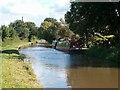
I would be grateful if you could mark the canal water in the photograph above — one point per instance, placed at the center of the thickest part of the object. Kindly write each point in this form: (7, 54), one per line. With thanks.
(56, 69)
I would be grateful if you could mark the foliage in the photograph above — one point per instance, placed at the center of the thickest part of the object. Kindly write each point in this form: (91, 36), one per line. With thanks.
(19, 29)
(98, 25)
(51, 29)
(99, 39)
(88, 18)
(107, 55)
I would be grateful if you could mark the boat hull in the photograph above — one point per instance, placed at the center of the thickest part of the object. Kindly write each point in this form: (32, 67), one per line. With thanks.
(66, 47)
(71, 51)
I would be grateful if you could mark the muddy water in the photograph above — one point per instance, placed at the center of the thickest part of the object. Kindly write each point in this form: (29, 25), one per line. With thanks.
(93, 77)
(55, 69)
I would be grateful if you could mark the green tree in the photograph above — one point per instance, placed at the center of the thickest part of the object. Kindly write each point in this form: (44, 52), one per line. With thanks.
(51, 29)
(46, 31)
(33, 30)
(5, 32)
(12, 32)
(18, 26)
(64, 29)
(88, 18)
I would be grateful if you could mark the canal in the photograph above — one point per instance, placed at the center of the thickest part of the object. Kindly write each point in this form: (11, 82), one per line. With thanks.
(56, 69)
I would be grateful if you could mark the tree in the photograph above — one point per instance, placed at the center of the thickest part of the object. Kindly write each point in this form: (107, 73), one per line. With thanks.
(88, 18)
(33, 30)
(46, 31)
(5, 32)
(19, 29)
(12, 32)
(51, 29)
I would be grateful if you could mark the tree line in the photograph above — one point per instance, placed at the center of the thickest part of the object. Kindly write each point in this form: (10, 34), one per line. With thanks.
(19, 29)
(96, 23)
(49, 29)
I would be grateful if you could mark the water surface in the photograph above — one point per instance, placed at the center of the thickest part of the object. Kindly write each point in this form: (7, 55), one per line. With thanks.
(55, 69)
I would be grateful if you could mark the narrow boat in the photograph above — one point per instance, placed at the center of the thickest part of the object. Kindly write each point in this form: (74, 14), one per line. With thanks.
(67, 46)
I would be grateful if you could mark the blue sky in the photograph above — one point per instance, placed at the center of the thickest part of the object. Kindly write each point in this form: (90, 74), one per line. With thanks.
(32, 10)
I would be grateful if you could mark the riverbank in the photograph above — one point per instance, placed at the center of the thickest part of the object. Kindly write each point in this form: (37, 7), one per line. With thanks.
(109, 55)
(15, 72)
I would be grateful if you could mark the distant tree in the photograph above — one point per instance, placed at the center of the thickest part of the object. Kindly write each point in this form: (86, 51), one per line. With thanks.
(18, 26)
(64, 29)
(5, 32)
(33, 30)
(46, 31)
(12, 32)
(51, 29)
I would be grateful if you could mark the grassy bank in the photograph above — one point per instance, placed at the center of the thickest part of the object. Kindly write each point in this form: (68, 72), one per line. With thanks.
(15, 72)
(17, 43)
(107, 55)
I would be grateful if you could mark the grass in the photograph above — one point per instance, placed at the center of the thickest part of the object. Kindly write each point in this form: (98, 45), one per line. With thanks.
(15, 72)
(17, 43)
(0, 65)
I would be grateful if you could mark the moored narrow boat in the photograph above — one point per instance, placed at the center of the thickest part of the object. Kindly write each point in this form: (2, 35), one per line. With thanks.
(67, 46)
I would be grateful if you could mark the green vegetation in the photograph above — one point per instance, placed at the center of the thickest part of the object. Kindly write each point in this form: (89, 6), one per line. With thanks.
(17, 43)
(15, 72)
(19, 34)
(98, 27)
(88, 19)
(50, 29)
(19, 29)
(0, 72)
(106, 54)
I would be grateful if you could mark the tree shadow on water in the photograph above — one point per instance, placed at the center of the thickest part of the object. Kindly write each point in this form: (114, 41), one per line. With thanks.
(83, 61)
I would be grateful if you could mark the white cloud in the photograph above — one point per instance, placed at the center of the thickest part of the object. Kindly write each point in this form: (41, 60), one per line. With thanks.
(32, 10)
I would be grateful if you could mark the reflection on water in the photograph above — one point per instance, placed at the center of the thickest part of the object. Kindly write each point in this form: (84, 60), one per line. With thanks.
(93, 77)
(55, 69)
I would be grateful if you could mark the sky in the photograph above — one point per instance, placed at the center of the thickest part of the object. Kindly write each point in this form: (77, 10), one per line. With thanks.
(32, 10)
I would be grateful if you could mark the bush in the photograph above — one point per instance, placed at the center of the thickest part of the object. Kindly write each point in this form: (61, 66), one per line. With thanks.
(109, 55)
